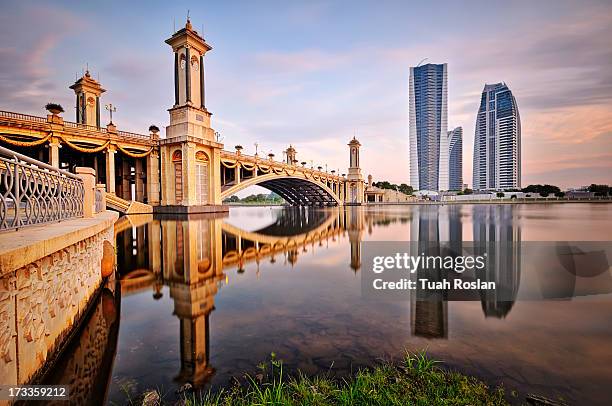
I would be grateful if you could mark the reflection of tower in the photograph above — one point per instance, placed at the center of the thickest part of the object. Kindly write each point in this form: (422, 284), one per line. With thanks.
(292, 256)
(355, 223)
(428, 310)
(192, 269)
(497, 233)
(354, 178)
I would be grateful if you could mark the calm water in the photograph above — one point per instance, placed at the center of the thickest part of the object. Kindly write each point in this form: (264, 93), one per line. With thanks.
(207, 299)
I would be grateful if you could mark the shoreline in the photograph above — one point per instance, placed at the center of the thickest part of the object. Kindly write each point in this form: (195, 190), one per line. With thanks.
(513, 201)
(414, 380)
(454, 202)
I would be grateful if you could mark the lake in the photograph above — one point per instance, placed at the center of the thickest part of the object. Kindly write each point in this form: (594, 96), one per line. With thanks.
(207, 299)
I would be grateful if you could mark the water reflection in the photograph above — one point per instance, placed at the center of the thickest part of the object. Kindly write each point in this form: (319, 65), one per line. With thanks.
(498, 228)
(87, 363)
(292, 286)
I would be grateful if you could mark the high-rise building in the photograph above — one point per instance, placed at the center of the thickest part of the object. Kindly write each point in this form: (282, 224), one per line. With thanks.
(455, 159)
(428, 127)
(497, 140)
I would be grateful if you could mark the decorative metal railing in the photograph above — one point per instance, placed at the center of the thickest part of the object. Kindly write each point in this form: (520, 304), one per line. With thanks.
(32, 192)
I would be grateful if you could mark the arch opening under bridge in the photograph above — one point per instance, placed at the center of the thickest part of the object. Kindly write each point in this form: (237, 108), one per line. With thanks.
(296, 191)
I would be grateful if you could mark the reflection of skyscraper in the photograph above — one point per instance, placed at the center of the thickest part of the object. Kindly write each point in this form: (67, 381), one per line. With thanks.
(428, 310)
(455, 159)
(497, 233)
(497, 140)
(428, 138)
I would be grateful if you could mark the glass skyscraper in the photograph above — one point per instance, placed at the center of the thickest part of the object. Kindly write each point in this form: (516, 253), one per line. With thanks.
(455, 159)
(497, 140)
(428, 127)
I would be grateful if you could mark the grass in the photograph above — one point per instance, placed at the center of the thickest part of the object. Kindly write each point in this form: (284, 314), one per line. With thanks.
(416, 381)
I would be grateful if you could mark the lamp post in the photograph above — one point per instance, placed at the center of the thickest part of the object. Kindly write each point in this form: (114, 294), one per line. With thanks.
(111, 109)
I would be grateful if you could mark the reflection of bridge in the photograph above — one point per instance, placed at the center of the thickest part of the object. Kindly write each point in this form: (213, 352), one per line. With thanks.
(190, 256)
(188, 171)
(240, 247)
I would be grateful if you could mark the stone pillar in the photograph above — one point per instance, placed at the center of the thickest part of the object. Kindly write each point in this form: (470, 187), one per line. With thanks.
(237, 174)
(153, 179)
(101, 187)
(54, 144)
(126, 191)
(88, 175)
(140, 192)
(110, 169)
(187, 75)
(189, 174)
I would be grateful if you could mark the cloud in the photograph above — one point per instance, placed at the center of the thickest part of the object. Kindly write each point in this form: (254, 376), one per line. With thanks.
(26, 79)
(330, 74)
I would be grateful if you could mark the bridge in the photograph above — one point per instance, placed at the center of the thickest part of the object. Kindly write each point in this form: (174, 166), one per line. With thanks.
(188, 170)
(297, 185)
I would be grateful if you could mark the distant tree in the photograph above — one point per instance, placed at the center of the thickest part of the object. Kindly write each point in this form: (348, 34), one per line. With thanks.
(600, 190)
(406, 189)
(232, 199)
(542, 190)
(500, 194)
(560, 194)
(467, 191)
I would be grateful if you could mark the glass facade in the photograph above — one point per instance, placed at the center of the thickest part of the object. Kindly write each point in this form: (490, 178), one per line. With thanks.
(428, 135)
(455, 159)
(497, 140)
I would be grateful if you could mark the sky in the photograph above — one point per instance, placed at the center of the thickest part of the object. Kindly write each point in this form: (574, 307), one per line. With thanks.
(315, 73)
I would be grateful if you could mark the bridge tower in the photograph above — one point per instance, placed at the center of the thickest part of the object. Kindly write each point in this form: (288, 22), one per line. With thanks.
(290, 153)
(88, 92)
(190, 154)
(354, 184)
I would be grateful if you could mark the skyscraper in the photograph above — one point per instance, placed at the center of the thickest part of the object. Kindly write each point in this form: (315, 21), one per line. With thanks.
(428, 127)
(455, 159)
(497, 140)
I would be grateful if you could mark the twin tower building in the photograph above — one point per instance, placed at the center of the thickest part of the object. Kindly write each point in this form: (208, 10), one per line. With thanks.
(435, 154)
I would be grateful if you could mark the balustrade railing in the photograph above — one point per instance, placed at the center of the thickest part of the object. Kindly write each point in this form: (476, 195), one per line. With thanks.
(32, 192)
(25, 117)
(70, 124)
(99, 201)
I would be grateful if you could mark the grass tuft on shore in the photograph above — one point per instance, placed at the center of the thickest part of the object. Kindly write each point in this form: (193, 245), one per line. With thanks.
(416, 381)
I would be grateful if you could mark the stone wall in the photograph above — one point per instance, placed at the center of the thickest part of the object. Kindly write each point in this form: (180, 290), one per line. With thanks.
(42, 301)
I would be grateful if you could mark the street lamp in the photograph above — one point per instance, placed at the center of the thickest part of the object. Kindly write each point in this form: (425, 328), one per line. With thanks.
(111, 109)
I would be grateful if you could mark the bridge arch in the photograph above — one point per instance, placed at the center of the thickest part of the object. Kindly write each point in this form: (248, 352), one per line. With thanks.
(296, 190)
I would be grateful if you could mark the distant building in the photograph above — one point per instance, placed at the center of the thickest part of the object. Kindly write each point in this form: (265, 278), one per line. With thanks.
(374, 194)
(428, 127)
(455, 159)
(497, 140)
